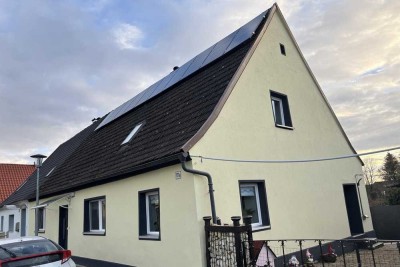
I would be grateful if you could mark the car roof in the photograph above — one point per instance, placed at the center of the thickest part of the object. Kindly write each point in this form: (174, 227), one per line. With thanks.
(20, 239)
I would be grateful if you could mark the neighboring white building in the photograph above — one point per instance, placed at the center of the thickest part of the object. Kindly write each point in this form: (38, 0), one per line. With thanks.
(12, 176)
(128, 193)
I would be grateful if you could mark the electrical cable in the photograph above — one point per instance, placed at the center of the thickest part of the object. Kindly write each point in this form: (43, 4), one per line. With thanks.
(297, 160)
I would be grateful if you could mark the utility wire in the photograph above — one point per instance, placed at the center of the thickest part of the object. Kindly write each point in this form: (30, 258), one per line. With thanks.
(296, 160)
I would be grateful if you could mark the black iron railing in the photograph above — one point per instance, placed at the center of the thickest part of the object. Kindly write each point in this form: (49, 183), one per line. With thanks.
(233, 246)
(329, 252)
(229, 245)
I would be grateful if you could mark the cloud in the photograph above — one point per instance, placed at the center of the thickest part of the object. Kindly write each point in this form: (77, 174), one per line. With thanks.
(351, 48)
(128, 36)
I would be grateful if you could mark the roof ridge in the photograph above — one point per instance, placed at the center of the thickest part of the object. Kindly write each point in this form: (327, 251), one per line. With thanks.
(17, 164)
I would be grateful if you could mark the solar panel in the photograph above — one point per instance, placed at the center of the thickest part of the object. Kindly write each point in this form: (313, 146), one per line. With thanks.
(162, 86)
(179, 73)
(246, 31)
(134, 101)
(198, 61)
(147, 93)
(204, 58)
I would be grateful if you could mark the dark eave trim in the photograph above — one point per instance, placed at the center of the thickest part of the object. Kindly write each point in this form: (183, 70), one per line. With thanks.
(123, 174)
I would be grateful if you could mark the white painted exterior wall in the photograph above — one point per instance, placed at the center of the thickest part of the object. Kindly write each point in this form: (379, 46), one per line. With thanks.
(304, 200)
(8, 210)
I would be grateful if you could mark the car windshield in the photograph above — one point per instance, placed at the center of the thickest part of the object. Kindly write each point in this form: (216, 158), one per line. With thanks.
(5, 253)
(26, 248)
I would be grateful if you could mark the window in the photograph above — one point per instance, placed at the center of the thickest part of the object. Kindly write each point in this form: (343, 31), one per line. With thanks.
(50, 171)
(42, 219)
(133, 132)
(253, 201)
(11, 223)
(280, 110)
(2, 224)
(149, 214)
(283, 51)
(95, 216)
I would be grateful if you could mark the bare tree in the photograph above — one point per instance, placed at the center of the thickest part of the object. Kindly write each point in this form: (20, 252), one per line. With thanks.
(370, 171)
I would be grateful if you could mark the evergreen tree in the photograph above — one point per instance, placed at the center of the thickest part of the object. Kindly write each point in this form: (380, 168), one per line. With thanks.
(391, 168)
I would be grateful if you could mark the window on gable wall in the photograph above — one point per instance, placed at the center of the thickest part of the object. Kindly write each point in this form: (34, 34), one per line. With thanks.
(95, 216)
(2, 224)
(253, 202)
(280, 110)
(149, 214)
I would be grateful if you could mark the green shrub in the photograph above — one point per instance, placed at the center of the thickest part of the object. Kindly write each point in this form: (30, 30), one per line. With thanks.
(393, 197)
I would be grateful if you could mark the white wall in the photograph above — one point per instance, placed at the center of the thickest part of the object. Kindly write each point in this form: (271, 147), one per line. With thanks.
(8, 210)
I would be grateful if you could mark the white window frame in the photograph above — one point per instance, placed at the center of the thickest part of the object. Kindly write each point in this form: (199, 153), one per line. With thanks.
(280, 101)
(44, 219)
(132, 133)
(255, 186)
(101, 226)
(152, 193)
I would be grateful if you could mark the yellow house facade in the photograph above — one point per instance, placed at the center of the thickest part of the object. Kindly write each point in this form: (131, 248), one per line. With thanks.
(150, 212)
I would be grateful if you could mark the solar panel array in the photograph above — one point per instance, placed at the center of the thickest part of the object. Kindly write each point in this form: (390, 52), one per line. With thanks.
(214, 52)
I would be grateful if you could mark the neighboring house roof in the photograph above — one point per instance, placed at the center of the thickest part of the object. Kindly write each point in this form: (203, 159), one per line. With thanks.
(49, 167)
(12, 176)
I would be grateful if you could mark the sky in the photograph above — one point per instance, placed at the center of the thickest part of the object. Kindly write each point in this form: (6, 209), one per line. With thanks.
(63, 63)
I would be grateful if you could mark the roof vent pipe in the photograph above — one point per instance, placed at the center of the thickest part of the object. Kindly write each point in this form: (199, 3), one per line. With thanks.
(183, 159)
(175, 68)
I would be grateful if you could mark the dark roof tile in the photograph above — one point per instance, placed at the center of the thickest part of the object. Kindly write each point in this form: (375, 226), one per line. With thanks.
(171, 119)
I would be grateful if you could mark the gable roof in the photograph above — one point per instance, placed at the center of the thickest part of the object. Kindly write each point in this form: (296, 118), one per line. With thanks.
(12, 176)
(170, 119)
(49, 166)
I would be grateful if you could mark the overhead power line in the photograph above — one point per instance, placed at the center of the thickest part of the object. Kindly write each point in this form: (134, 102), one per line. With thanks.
(296, 160)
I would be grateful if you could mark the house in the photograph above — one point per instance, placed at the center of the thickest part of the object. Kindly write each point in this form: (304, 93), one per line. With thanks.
(11, 177)
(135, 190)
(17, 203)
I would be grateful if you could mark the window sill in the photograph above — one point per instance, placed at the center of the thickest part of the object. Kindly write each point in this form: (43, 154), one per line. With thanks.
(42, 231)
(261, 228)
(150, 237)
(101, 233)
(284, 127)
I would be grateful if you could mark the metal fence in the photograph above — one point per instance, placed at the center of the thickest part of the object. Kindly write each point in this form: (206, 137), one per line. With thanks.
(233, 246)
(329, 252)
(229, 245)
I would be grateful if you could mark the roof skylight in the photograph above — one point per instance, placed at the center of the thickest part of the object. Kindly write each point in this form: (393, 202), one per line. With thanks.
(50, 171)
(133, 132)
